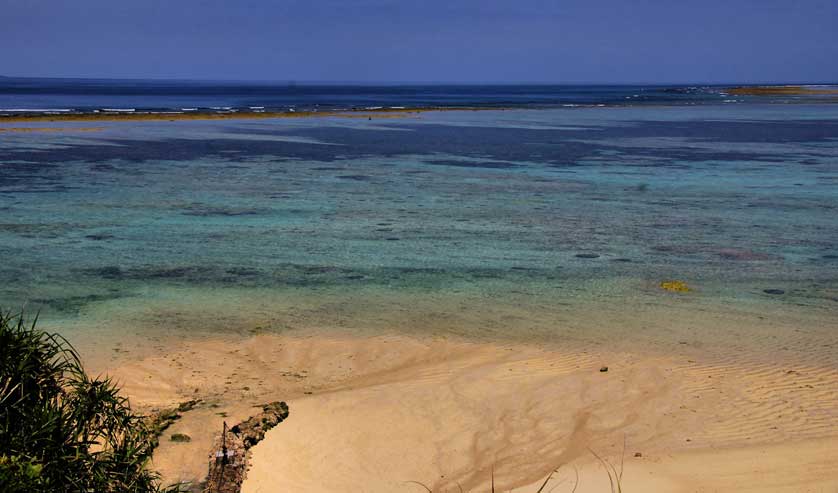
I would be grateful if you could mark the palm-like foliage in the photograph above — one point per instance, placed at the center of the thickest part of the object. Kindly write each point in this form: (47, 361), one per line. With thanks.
(60, 430)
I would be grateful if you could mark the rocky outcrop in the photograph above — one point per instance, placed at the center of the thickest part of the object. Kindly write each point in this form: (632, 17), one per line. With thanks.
(228, 460)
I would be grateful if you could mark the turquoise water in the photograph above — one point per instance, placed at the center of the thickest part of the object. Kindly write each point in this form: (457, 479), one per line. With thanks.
(438, 219)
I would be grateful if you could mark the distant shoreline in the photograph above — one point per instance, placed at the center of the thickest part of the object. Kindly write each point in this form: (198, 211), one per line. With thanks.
(782, 91)
(227, 113)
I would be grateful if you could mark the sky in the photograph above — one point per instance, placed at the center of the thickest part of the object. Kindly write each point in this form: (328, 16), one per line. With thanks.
(558, 41)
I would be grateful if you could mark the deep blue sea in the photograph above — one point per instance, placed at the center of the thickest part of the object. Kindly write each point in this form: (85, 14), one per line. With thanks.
(86, 95)
(541, 220)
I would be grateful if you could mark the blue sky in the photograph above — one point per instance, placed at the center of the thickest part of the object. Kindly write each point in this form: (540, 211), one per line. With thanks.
(431, 40)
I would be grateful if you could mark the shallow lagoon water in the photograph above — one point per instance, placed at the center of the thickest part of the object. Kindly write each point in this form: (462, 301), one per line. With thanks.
(487, 223)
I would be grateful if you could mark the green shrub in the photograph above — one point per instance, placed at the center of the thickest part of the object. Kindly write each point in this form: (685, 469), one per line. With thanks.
(60, 430)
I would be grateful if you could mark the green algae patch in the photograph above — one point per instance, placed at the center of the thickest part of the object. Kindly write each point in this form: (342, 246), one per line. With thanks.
(675, 286)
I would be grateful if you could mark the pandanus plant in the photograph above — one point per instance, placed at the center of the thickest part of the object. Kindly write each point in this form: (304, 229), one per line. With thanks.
(60, 429)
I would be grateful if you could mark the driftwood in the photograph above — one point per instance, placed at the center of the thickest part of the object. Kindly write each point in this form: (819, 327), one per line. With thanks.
(228, 460)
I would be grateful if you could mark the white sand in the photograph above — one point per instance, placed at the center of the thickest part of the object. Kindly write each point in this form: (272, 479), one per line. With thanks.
(372, 414)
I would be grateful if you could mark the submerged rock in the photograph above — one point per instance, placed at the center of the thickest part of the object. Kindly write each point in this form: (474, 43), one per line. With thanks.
(99, 237)
(677, 249)
(107, 272)
(355, 177)
(773, 291)
(202, 210)
(745, 255)
(675, 286)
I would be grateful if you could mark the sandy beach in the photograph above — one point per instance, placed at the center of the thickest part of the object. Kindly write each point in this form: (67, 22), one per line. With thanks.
(384, 413)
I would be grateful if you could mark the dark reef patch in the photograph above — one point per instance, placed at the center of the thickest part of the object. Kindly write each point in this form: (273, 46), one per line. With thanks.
(99, 237)
(39, 230)
(103, 167)
(677, 249)
(295, 275)
(243, 271)
(73, 304)
(735, 131)
(170, 272)
(39, 170)
(472, 164)
(355, 177)
(151, 273)
(746, 255)
(106, 272)
(201, 210)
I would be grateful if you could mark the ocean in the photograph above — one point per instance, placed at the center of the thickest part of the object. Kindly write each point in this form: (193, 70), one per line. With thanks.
(38, 95)
(559, 211)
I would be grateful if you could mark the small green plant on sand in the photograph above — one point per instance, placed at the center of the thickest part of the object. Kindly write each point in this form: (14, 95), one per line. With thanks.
(60, 429)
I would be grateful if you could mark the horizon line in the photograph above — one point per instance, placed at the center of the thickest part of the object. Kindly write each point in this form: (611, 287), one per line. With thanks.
(422, 82)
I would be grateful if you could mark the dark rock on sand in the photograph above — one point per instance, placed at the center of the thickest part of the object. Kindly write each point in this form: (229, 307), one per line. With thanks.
(229, 456)
(253, 430)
